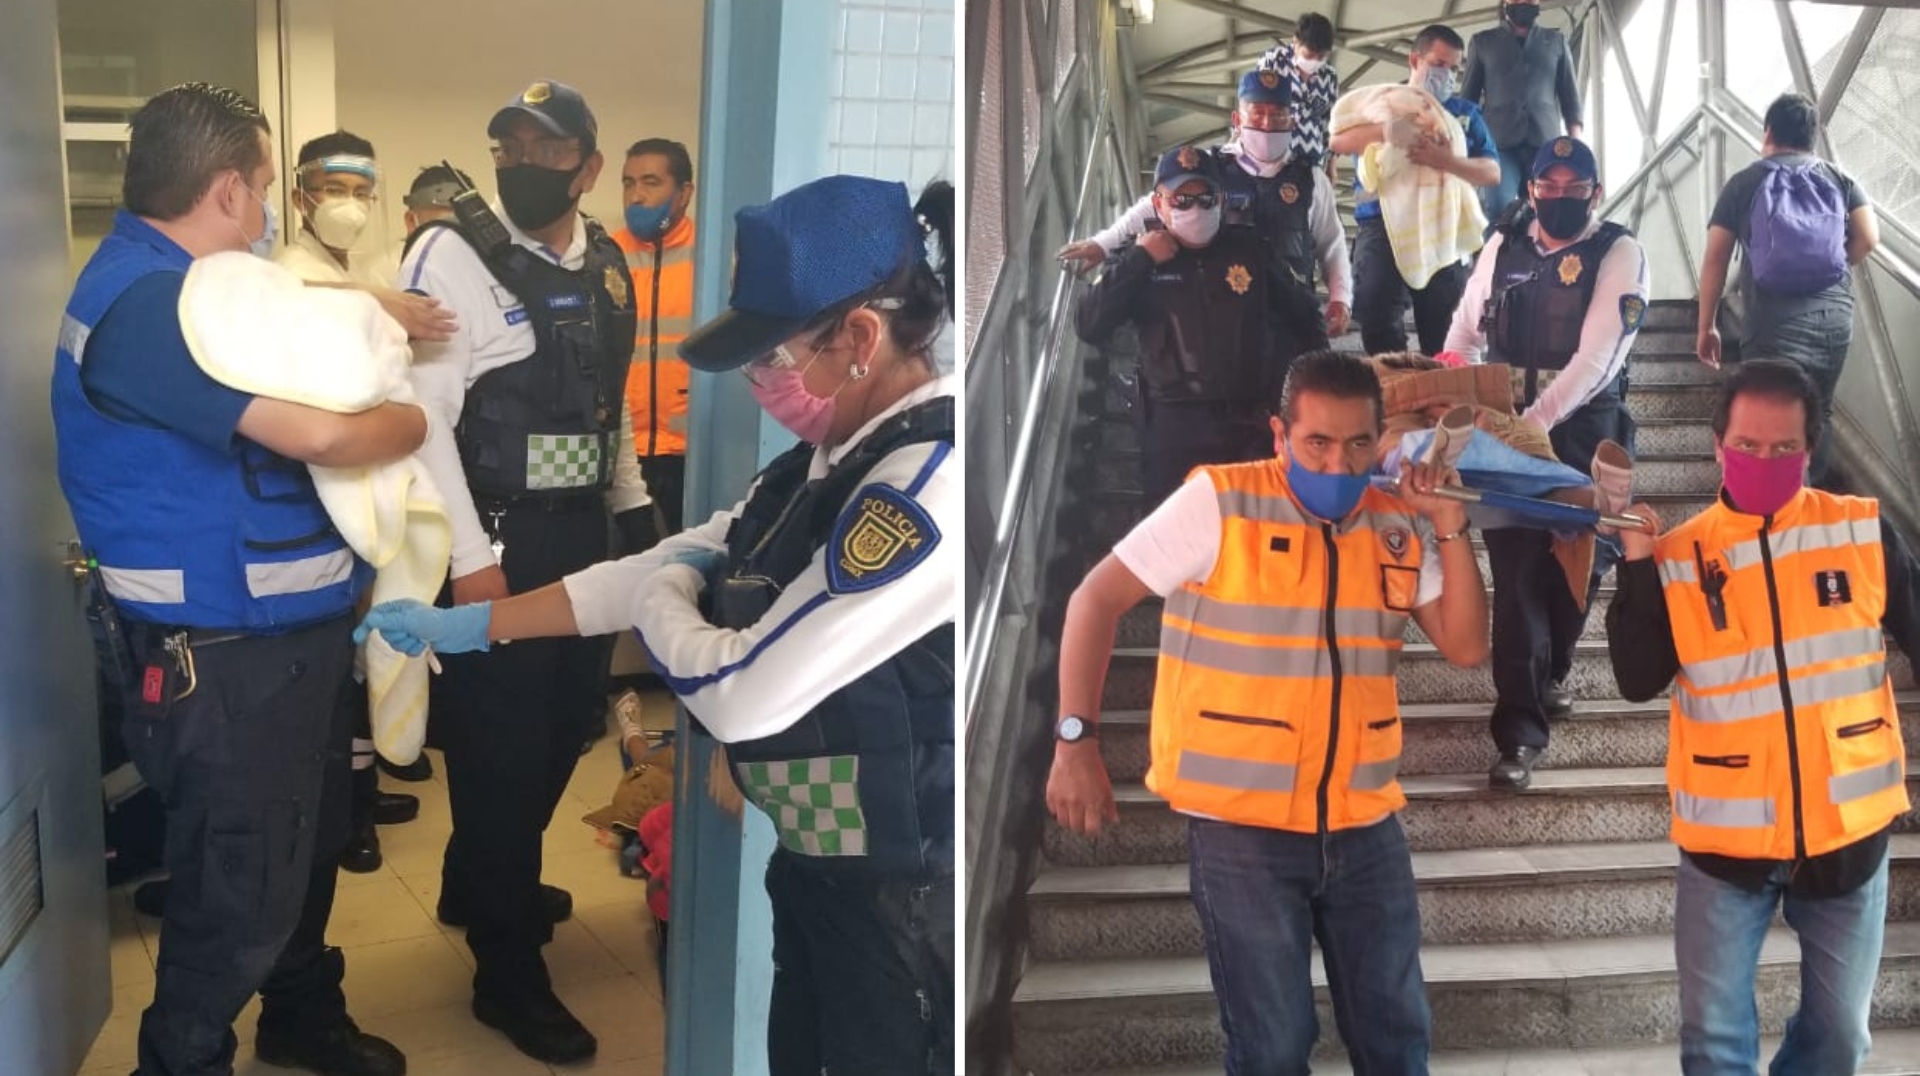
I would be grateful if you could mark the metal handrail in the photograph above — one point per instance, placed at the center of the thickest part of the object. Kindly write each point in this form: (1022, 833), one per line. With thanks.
(982, 620)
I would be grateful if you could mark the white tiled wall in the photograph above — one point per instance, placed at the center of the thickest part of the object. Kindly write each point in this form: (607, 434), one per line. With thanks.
(893, 90)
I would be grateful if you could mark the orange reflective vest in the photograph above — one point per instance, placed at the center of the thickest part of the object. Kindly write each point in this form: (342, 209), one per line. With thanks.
(660, 429)
(1784, 739)
(1275, 701)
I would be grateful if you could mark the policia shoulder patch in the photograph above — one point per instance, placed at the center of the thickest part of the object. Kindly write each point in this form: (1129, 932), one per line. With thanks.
(877, 539)
(1633, 313)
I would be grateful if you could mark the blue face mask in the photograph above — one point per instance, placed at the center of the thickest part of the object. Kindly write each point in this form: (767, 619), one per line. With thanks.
(1329, 496)
(263, 246)
(648, 222)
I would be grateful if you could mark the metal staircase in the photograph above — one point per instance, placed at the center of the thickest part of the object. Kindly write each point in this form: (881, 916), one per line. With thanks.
(1546, 915)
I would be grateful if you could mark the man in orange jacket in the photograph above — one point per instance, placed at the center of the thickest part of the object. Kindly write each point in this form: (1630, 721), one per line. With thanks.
(657, 186)
(1785, 761)
(1288, 584)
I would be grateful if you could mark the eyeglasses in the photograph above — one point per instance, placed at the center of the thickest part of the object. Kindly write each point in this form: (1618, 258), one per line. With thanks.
(1190, 201)
(336, 191)
(780, 358)
(1554, 190)
(554, 153)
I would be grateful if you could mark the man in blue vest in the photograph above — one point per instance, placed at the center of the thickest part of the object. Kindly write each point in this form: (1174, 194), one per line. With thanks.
(226, 597)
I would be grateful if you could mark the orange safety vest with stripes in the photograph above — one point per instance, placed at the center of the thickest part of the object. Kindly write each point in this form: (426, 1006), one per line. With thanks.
(1784, 741)
(660, 429)
(1275, 702)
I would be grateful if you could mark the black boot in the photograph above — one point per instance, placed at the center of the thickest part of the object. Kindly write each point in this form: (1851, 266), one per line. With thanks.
(393, 808)
(538, 1023)
(340, 1050)
(362, 853)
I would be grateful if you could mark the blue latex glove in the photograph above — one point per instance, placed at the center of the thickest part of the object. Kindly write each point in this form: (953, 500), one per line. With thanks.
(411, 626)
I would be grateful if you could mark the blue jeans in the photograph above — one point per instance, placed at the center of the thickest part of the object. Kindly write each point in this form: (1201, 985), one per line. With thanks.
(1264, 895)
(1717, 930)
(1515, 163)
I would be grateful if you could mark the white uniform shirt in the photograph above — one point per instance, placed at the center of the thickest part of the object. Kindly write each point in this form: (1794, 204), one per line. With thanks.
(1323, 219)
(752, 682)
(1179, 543)
(1605, 336)
(309, 259)
(494, 332)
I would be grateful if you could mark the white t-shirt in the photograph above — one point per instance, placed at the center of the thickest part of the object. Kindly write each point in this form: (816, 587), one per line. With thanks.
(1179, 543)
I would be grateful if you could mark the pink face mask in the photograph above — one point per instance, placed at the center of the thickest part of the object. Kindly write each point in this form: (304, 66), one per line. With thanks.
(1760, 486)
(782, 392)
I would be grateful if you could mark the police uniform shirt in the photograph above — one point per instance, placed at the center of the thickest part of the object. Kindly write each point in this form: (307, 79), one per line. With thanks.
(815, 639)
(1323, 218)
(494, 331)
(309, 259)
(1179, 542)
(1613, 320)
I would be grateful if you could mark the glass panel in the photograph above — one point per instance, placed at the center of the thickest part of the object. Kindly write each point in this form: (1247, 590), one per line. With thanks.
(1875, 135)
(986, 228)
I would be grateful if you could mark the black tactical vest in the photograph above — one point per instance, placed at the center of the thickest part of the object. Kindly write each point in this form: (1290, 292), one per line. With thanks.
(1275, 207)
(889, 733)
(1539, 302)
(549, 425)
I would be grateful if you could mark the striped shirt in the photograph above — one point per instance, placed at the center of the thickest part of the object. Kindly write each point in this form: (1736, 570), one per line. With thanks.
(1312, 101)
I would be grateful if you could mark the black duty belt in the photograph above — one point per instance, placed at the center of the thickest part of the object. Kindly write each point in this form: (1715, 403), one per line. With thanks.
(550, 505)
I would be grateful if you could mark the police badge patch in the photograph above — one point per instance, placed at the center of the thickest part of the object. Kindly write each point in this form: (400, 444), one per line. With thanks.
(1239, 279)
(616, 281)
(1563, 147)
(537, 93)
(1633, 311)
(1395, 539)
(1270, 79)
(1570, 270)
(878, 538)
(1289, 193)
(1189, 158)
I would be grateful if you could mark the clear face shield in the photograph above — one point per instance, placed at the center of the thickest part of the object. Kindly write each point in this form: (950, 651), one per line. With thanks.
(340, 201)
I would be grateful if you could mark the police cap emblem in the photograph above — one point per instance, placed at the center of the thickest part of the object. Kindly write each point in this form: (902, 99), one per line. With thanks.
(537, 93)
(1570, 270)
(1189, 158)
(877, 539)
(1270, 79)
(1563, 147)
(1289, 193)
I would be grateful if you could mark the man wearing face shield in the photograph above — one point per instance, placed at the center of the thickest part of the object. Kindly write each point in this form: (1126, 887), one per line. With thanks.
(341, 239)
(530, 455)
(1279, 196)
(1521, 75)
(1559, 296)
(1203, 298)
(810, 627)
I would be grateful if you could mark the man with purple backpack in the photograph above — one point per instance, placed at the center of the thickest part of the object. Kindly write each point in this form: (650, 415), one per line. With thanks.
(1801, 224)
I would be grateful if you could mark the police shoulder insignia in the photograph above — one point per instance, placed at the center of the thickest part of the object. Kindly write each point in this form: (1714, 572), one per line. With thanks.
(1395, 539)
(1239, 279)
(537, 93)
(878, 538)
(1189, 158)
(1289, 193)
(616, 281)
(1270, 79)
(1570, 269)
(1633, 311)
(1563, 147)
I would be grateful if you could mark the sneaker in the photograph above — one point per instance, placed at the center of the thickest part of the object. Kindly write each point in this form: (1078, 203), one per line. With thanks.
(1514, 771)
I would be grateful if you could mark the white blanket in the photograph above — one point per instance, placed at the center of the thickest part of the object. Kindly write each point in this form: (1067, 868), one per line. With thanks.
(1433, 218)
(254, 326)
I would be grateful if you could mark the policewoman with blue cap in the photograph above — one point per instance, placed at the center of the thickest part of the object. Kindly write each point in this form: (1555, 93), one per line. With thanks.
(810, 627)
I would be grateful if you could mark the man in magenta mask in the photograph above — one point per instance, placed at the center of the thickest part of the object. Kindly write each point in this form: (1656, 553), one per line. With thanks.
(1768, 613)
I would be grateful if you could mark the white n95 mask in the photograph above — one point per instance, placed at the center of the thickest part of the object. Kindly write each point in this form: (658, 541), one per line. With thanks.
(339, 221)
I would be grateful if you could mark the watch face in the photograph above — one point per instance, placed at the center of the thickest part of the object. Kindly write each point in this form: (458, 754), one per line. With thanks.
(1072, 728)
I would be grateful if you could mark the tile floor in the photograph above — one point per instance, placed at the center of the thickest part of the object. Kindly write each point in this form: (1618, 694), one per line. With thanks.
(409, 978)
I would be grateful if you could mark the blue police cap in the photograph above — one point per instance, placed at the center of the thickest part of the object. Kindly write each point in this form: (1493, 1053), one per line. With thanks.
(557, 107)
(798, 255)
(1265, 87)
(1570, 152)
(1181, 164)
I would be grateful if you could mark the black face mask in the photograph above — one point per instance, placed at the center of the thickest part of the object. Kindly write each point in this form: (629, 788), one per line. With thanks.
(1522, 15)
(1563, 218)
(535, 197)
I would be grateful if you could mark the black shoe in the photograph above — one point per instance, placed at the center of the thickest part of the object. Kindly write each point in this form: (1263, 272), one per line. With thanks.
(362, 853)
(1556, 702)
(539, 1025)
(1515, 768)
(341, 1050)
(393, 808)
(150, 898)
(420, 769)
(555, 901)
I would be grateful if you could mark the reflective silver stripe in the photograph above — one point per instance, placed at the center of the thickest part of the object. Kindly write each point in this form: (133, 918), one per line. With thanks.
(1678, 571)
(1244, 505)
(73, 336)
(1281, 620)
(299, 576)
(1812, 650)
(1804, 539)
(1845, 787)
(1761, 701)
(1235, 772)
(680, 326)
(643, 258)
(1724, 813)
(1278, 661)
(1376, 775)
(157, 586)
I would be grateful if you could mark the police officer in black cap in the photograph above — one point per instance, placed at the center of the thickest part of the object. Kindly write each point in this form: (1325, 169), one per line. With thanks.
(526, 446)
(1558, 295)
(1206, 300)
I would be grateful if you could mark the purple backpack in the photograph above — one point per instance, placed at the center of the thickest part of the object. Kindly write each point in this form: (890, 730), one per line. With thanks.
(1797, 229)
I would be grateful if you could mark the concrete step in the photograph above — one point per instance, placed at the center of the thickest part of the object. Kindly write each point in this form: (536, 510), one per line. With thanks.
(1484, 895)
(1104, 1016)
(1445, 812)
(1896, 1052)
(1451, 738)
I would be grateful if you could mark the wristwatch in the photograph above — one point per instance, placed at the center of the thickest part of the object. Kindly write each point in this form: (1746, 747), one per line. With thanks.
(1072, 728)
